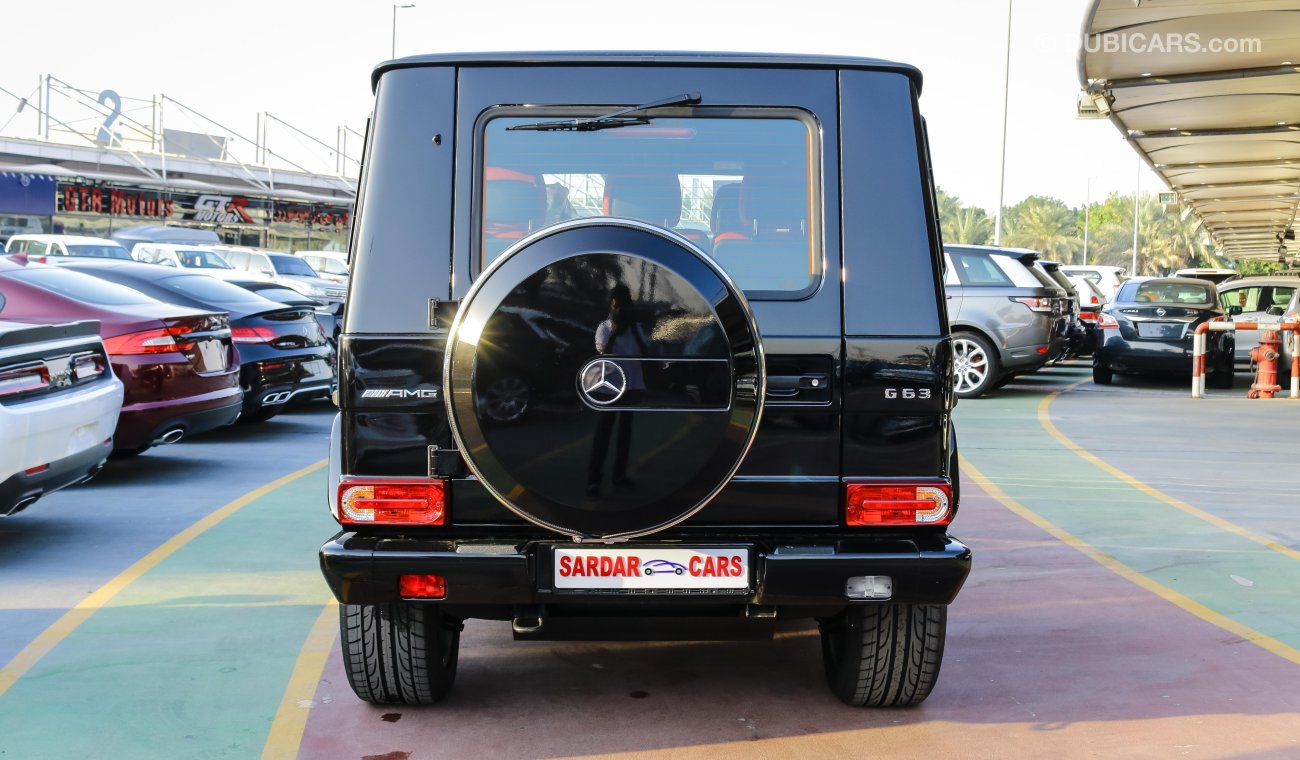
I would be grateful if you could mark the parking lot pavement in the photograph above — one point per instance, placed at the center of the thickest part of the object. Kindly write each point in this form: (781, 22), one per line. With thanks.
(1103, 617)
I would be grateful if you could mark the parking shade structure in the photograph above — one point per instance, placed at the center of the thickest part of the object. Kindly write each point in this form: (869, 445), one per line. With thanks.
(1209, 96)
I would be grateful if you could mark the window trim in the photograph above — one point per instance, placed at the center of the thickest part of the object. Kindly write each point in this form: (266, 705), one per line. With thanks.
(816, 197)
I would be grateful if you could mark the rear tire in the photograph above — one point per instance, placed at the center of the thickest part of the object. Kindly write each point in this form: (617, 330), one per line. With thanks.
(399, 654)
(885, 655)
(1102, 374)
(975, 364)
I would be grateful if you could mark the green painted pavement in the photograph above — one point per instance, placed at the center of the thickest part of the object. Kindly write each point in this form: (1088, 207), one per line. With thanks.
(192, 659)
(1001, 435)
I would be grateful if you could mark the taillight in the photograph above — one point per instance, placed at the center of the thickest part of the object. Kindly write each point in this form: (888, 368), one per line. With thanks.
(868, 504)
(24, 379)
(1087, 316)
(1035, 304)
(91, 365)
(422, 586)
(1095, 301)
(160, 340)
(392, 501)
(1106, 321)
(252, 334)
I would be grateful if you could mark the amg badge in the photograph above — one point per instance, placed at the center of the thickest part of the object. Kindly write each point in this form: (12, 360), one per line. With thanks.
(429, 393)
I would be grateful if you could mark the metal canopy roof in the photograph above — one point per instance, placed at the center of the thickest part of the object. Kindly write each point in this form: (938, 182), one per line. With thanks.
(1208, 93)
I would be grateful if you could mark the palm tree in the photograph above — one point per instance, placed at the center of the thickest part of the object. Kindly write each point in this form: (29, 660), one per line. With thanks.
(1045, 225)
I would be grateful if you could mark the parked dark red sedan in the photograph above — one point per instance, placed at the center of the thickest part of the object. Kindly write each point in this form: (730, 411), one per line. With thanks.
(178, 365)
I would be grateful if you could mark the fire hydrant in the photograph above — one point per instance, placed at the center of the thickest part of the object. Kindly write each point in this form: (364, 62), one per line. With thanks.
(1265, 357)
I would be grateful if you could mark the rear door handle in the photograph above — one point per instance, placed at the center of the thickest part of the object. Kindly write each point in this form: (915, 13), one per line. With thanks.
(789, 386)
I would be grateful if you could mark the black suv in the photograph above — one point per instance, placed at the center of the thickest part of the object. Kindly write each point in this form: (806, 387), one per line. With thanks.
(711, 285)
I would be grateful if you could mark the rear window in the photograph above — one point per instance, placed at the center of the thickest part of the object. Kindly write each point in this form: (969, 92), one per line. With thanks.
(206, 288)
(1167, 292)
(740, 185)
(82, 287)
(292, 266)
(99, 251)
(197, 259)
(979, 269)
(283, 295)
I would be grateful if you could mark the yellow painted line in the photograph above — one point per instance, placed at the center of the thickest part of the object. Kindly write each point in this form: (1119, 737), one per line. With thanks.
(1044, 418)
(73, 618)
(1245, 632)
(291, 718)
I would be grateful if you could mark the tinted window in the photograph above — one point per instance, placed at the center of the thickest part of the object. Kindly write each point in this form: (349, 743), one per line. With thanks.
(207, 288)
(82, 287)
(292, 266)
(199, 259)
(979, 269)
(1163, 291)
(738, 187)
(283, 295)
(99, 251)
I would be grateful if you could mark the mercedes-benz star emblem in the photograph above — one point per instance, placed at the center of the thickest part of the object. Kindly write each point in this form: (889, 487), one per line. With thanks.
(602, 382)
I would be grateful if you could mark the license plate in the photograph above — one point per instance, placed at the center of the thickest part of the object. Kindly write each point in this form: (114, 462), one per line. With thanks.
(315, 368)
(651, 568)
(212, 355)
(1160, 330)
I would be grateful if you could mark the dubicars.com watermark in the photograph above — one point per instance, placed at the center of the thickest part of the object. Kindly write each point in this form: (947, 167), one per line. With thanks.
(1170, 42)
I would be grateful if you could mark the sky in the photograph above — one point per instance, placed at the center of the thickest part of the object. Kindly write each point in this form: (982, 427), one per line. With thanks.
(308, 63)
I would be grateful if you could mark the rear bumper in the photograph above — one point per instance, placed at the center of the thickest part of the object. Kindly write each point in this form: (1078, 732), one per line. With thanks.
(365, 570)
(1144, 356)
(21, 488)
(143, 424)
(275, 382)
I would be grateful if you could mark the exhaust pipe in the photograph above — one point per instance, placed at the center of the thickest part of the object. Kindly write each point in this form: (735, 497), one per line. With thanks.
(171, 436)
(20, 506)
(527, 621)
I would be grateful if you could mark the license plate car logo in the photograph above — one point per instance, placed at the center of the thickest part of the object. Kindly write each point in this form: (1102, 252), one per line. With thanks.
(651, 568)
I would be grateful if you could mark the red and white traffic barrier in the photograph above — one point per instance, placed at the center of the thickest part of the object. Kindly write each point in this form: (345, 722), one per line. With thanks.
(1199, 341)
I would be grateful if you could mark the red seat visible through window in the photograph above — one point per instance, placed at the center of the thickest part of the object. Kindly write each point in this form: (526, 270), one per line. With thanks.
(514, 204)
(650, 196)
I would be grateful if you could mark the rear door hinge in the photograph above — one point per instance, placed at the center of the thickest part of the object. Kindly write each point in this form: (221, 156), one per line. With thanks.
(441, 313)
(445, 463)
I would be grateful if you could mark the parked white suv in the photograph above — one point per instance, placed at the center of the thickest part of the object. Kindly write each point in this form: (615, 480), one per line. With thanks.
(331, 265)
(55, 249)
(285, 269)
(182, 256)
(1108, 279)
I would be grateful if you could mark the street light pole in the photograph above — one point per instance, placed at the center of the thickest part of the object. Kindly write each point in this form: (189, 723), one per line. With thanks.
(392, 53)
(1087, 209)
(1137, 185)
(1006, 99)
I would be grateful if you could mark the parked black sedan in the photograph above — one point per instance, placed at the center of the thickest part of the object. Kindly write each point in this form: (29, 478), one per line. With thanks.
(284, 354)
(1149, 328)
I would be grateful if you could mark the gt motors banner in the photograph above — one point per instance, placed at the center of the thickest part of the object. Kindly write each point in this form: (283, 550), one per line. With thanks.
(211, 208)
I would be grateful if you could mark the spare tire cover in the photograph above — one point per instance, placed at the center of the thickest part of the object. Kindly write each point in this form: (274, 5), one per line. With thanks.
(604, 378)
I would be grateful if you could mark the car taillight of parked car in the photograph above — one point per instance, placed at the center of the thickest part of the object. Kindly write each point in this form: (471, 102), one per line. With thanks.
(24, 379)
(392, 501)
(1106, 321)
(160, 340)
(883, 504)
(1044, 305)
(252, 334)
(1088, 316)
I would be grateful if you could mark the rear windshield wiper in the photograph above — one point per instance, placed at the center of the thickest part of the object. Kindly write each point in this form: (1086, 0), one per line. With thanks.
(613, 120)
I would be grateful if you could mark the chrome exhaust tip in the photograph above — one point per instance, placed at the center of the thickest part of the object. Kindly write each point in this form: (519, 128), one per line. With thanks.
(171, 436)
